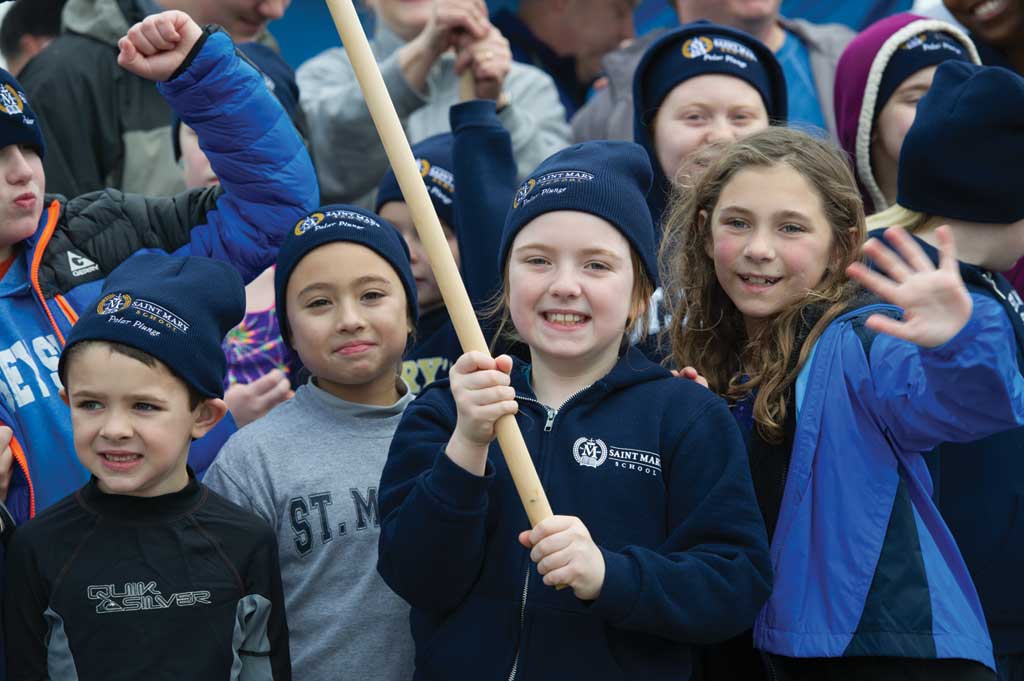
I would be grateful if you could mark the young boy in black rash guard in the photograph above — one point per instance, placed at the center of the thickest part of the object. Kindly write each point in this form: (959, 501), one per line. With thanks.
(144, 572)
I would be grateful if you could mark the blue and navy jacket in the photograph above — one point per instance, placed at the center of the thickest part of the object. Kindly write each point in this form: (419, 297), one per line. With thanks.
(864, 564)
(483, 192)
(657, 470)
(267, 184)
(979, 488)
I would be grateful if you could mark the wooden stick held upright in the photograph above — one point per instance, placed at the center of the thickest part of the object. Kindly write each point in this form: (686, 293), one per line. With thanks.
(399, 153)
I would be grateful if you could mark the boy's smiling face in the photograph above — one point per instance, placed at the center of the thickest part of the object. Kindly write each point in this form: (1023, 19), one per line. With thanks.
(132, 423)
(21, 194)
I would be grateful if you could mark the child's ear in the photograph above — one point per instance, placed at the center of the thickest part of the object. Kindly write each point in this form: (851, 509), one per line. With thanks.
(64, 396)
(709, 247)
(207, 415)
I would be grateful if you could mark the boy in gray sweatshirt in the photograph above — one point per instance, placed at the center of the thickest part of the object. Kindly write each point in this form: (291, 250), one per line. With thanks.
(346, 299)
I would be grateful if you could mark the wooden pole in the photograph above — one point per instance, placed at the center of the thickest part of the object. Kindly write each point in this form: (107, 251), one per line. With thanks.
(406, 170)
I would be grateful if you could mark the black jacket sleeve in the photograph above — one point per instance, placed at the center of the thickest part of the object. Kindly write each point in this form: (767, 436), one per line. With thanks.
(109, 226)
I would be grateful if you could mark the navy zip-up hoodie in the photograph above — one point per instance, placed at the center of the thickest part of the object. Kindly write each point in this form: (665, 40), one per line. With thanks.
(657, 470)
(478, 137)
(979, 489)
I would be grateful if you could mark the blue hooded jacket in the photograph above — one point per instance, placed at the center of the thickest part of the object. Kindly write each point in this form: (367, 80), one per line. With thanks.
(657, 470)
(864, 565)
(268, 183)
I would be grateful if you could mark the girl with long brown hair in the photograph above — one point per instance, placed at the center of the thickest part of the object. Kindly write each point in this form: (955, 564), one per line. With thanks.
(839, 395)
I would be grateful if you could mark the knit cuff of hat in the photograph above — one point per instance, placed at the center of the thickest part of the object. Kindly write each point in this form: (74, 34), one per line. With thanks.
(866, 119)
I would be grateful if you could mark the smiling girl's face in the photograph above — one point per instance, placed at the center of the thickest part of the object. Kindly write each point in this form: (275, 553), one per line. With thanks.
(570, 280)
(770, 241)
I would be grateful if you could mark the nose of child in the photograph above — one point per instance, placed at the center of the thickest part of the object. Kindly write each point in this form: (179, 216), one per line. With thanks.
(18, 169)
(565, 284)
(116, 427)
(759, 247)
(348, 319)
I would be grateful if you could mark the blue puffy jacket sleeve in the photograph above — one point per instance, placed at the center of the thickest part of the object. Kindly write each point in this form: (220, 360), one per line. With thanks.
(485, 180)
(966, 389)
(263, 167)
(433, 513)
(712, 574)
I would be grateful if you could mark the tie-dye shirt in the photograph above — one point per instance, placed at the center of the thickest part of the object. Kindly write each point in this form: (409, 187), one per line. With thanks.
(255, 346)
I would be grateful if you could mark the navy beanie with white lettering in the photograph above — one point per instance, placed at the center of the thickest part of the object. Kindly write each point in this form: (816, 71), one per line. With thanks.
(964, 155)
(927, 48)
(702, 48)
(342, 223)
(608, 179)
(176, 309)
(434, 156)
(18, 123)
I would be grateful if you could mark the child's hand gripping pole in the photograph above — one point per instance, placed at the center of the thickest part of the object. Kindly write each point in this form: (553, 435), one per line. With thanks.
(399, 153)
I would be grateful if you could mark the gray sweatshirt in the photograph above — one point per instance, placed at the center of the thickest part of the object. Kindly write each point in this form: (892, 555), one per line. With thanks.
(351, 159)
(311, 469)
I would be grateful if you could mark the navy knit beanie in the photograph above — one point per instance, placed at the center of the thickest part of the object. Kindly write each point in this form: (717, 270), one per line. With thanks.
(342, 223)
(606, 179)
(175, 309)
(18, 123)
(702, 48)
(434, 156)
(928, 48)
(964, 155)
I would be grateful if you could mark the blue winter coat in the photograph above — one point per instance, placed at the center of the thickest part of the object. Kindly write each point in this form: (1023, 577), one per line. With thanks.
(267, 184)
(657, 470)
(863, 563)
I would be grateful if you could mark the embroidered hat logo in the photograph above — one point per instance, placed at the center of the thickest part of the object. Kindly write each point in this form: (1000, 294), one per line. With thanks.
(524, 190)
(307, 223)
(697, 47)
(12, 100)
(113, 302)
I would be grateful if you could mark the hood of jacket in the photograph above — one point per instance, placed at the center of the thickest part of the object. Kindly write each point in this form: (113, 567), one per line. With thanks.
(858, 79)
(105, 20)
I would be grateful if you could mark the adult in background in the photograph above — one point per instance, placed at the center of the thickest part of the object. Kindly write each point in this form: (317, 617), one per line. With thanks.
(109, 128)
(412, 43)
(567, 39)
(28, 27)
(857, 15)
(807, 52)
(996, 27)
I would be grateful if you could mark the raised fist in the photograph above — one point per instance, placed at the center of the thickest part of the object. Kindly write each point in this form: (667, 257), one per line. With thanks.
(155, 47)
